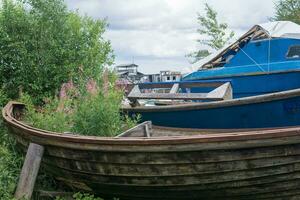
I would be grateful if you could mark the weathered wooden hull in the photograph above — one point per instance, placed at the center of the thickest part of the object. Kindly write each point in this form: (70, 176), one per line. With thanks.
(270, 110)
(261, 164)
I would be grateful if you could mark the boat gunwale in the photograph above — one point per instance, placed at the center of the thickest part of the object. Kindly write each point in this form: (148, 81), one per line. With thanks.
(30, 131)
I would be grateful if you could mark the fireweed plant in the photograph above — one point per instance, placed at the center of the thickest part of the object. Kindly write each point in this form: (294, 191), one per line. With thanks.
(89, 108)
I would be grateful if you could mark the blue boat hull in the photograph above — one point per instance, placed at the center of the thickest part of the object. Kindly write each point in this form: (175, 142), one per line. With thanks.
(257, 112)
(257, 84)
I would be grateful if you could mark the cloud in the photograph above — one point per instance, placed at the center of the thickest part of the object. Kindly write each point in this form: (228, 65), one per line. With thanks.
(159, 33)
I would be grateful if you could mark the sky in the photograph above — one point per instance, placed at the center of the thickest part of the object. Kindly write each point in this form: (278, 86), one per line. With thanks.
(158, 34)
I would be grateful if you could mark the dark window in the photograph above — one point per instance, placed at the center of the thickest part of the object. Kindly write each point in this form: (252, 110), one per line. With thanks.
(168, 77)
(294, 52)
(174, 77)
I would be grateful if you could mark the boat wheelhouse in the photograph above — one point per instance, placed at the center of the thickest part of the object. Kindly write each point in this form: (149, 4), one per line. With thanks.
(265, 59)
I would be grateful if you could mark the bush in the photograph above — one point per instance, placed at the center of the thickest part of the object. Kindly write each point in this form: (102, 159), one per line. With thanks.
(3, 98)
(47, 117)
(80, 112)
(43, 45)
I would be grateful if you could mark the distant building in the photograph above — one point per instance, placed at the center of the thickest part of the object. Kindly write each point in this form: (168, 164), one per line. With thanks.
(129, 72)
(152, 78)
(169, 76)
(163, 76)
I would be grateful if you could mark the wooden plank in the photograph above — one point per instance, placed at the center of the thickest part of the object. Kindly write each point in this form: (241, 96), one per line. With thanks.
(224, 92)
(177, 180)
(174, 88)
(148, 129)
(169, 168)
(29, 171)
(141, 130)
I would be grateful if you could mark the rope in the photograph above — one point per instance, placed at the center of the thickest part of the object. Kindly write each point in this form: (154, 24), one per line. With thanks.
(269, 54)
(252, 59)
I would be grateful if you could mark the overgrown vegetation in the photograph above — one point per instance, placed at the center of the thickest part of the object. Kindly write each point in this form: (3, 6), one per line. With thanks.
(87, 111)
(55, 58)
(10, 165)
(10, 159)
(82, 196)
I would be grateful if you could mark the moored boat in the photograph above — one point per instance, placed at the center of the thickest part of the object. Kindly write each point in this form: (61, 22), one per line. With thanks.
(167, 163)
(277, 109)
(265, 59)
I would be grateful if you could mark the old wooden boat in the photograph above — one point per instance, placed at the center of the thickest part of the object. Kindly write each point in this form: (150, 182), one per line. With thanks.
(216, 109)
(166, 163)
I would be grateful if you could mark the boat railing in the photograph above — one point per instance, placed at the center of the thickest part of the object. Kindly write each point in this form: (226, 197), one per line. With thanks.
(222, 91)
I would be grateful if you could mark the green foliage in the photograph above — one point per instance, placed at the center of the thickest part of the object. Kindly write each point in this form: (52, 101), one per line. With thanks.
(98, 114)
(3, 98)
(81, 196)
(84, 196)
(41, 40)
(43, 45)
(86, 114)
(47, 117)
(287, 10)
(217, 33)
(10, 163)
(10, 159)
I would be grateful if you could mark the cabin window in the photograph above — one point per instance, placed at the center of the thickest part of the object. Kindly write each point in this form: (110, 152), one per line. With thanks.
(294, 52)
(174, 77)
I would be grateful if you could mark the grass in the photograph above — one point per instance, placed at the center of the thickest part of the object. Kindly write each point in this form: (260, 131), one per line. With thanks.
(10, 159)
(10, 164)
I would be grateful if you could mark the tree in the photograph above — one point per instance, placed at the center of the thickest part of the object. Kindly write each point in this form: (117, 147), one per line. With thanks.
(43, 45)
(217, 34)
(287, 10)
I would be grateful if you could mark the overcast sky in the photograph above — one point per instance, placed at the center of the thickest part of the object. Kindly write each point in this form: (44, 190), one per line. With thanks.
(157, 34)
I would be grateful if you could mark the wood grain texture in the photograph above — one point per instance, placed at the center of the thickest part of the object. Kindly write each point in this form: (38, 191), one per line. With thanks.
(249, 164)
(29, 171)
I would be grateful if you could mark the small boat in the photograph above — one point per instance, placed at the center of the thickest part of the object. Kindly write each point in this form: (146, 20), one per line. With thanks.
(265, 59)
(148, 162)
(216, 109)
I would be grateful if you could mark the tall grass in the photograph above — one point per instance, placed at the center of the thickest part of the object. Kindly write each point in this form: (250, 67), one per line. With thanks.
(10, 165)
(10, 159)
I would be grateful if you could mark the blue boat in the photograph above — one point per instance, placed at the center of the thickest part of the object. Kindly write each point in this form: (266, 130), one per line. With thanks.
(252, 83)
(280, 109)
(266, 59)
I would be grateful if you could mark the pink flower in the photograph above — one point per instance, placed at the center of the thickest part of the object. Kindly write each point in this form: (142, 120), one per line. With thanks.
(91, 87)
(65, 88)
